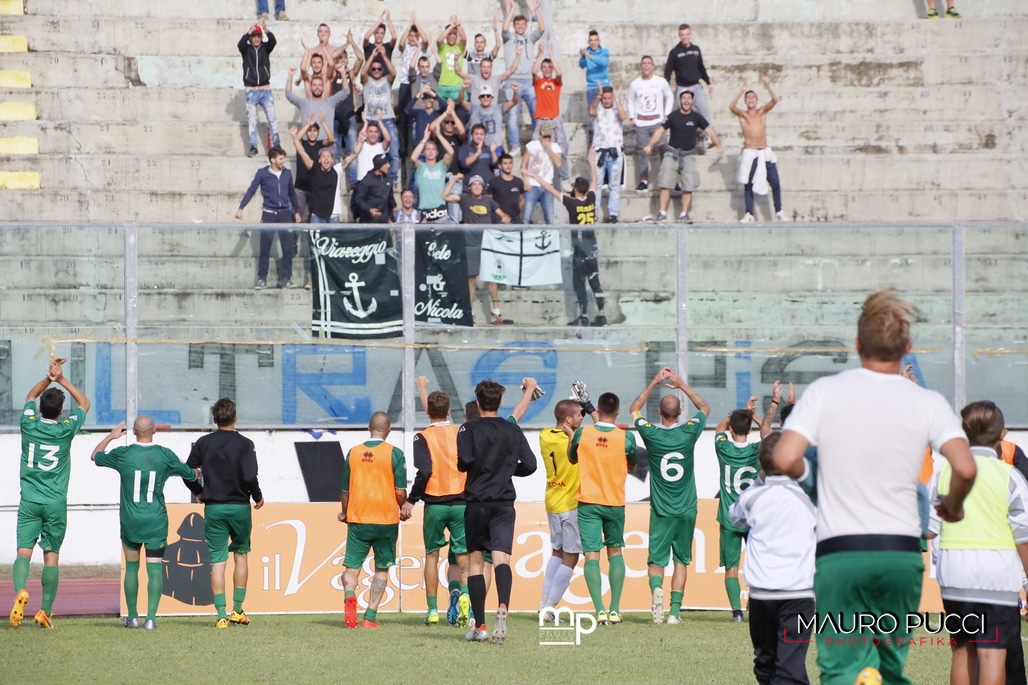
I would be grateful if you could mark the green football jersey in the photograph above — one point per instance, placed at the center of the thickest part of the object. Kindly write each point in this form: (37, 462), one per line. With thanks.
(670, 459)
(144, 468)
(46, 454)
(739, 466)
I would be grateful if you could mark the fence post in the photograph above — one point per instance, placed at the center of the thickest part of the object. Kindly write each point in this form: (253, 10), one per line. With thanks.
(959, 344)
(130, 297)
(682, 302)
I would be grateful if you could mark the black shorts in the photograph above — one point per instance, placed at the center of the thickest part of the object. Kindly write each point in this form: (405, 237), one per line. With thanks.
(489, 527)
(1001, 629)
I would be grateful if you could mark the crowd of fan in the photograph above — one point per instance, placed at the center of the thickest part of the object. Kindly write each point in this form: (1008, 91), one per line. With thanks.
(453, 131)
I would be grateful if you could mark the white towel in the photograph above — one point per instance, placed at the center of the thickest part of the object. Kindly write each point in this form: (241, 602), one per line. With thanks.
(764, 157)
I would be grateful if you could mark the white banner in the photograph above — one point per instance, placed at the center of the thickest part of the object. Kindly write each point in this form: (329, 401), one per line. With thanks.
(521, 258)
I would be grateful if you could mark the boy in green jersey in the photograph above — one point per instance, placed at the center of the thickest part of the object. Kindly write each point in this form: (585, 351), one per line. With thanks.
(144, 468)
(45, 470)
(669, 448)
(739, 465)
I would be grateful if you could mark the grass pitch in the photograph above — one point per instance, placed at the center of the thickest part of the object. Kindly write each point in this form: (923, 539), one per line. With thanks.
(707, 648)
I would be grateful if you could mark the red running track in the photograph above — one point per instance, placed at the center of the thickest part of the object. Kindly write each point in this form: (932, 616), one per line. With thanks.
(100, 597)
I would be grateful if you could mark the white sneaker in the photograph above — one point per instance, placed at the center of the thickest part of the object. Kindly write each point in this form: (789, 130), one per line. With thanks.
(476, 635)
(516, 152)
(500, 626)
(657, 605)
(661, 216)
(674, 621)
(781, 216)
(748, 219)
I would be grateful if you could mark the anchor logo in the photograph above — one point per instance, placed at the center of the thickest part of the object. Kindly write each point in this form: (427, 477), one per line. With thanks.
(542, 241)
(358, 309)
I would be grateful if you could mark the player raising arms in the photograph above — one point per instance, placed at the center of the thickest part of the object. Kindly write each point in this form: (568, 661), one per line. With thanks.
(562, 495)
(144, 468)
(739, 463)
(604, 453)
(670, 457)
(374, 492)
(45, 470)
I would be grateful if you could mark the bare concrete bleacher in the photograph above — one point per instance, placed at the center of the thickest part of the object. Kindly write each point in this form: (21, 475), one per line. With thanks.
(122, 110)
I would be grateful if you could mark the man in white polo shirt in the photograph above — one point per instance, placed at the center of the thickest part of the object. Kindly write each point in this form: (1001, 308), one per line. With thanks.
(871, 426)
(649, 102)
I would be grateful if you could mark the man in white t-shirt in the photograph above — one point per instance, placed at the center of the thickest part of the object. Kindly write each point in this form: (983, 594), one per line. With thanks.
(871, 426)
(541, 158)
(607, 153)
(373, 140)
(650, 101)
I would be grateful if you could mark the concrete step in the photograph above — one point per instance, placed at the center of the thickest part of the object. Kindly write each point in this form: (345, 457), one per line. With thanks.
(790, 72)
(626, 41)
(987, 101)
(799, 133)
(362, 12)
(709, 205)
(967, 173)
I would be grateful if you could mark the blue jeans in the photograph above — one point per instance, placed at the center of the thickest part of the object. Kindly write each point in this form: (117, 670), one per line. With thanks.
(537, 195)
(526, 93)
(394, 149)
(772, 180)
(315, 219)
(262, 8)
(265, 99)
(610, 173)
(287, 241)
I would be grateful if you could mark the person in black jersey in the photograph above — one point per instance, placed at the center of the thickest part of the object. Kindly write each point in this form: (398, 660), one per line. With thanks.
(492, 451)
(585, 265)
(228, 469)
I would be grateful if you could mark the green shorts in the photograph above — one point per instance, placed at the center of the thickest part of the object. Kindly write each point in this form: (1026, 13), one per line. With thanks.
(362, 537)
(451, 558)
(449, 93)
(225, 521)
(43, 523)
(151, 531)
(601, 526)
(438, 519)
(871, 582)
(671, 537)
(731, 547)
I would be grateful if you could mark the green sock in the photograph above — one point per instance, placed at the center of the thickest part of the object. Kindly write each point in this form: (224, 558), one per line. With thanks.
(21, 573)
(732, 586)
(617, 581)
(51, 576)
(676, 603)
(347, 594)
(219, 605)
(238, 597)
(464, 588)
(370, 614)
(453, 585)
(154, 587)
(593, 582)
(132, 588)
(433, 602)
(656, 582)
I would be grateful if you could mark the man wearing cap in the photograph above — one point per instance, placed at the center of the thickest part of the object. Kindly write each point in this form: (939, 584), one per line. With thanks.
(489, 114)
(373, 200)
(255, 48)
(477, 208)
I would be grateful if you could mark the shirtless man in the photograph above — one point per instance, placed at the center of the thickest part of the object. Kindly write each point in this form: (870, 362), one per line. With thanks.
(324, 49)
(757, 163)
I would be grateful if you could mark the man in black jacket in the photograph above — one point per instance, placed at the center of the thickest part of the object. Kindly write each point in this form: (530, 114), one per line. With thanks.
(256, 47)
(228, 469)
(492, 451)
(685, 61)
(373, 199)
